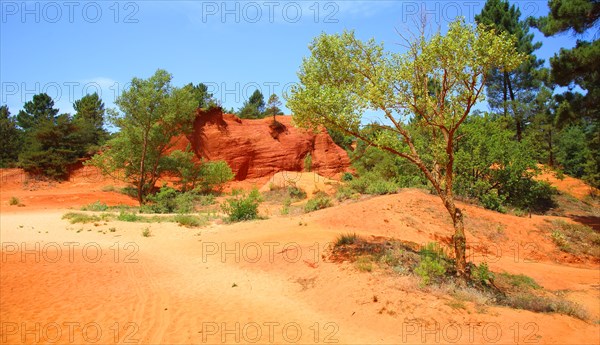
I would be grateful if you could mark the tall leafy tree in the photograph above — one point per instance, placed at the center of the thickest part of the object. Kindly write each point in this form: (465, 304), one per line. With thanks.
(89, 117)
(153, 113)
(39, 109)
(508, 90)
(254, 107)
(10, 138)
(579, 66)
(343, 77)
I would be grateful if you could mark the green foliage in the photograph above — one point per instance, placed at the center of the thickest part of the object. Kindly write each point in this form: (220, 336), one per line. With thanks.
(10, 138)
(203, 98)
(39, 110)
(430, 270)
(75, 217)
(214, 175)
(346, 239)
(89, 118)
(273, 107)
(242, 207)
(495, 169)
(572, 151)
(340, 138)
(371, 183)
(492, 201)
(508, 91)
(169, 200)
(319, 201)
(146, 232)
(481, 274)
(51, 147)
(254, 107)
(153, 112)
(308, 162)
(517, 281)
(128, 217)
(96, 206)
(574, 238)
(347, 177)
(187, 220)
(13, 201)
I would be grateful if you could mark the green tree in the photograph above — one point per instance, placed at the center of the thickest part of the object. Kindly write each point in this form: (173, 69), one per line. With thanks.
(273, 107)
(10, 138)
(51, 147)
(153, 114)
(204, 99)
(579, 66)
(509, 89)
(39, 109)
(254, 107)
(89, 117)
(344, 76)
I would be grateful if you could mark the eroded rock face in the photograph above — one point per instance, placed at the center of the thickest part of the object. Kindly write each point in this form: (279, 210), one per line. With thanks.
(257, 148)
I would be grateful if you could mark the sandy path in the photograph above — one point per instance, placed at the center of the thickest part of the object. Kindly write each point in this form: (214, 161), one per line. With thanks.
(263, 281)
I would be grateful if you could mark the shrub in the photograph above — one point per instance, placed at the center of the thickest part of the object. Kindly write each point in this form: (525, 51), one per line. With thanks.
(96, 206)
(187, 220)
(206, 200)
(168, 200)
(364, 264)
(430, 270)
(75, 217)
(318, 202)
(296, 193)
(381, 187)
(346, 239)
(308, 162)
(433, 264)
(347, 177)
(128, 217)
(492, 201)
(242, 207)
(344, 192)
(517, 281)
(214, 175)
(481, 274)
(14, 201)
(146, 232)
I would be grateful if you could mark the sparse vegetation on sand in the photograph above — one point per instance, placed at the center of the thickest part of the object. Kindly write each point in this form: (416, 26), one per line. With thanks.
(435, 270)
(574, 238)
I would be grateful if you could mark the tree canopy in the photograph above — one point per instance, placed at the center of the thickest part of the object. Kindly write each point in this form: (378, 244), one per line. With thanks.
(435, 85)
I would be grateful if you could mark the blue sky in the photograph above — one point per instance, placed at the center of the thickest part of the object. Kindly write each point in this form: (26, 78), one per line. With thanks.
(68, 49)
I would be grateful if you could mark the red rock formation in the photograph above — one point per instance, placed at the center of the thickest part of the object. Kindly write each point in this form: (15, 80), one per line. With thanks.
(256, 148)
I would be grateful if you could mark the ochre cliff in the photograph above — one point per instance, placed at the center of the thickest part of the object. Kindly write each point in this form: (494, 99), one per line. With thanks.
(256, 148)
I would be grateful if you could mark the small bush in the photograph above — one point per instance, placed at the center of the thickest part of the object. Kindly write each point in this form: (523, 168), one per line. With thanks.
(296, 193)
(381, 187)
(318, 202)
(575, 238)
(481, 274)
(308, 162)
(492, 201)
(187, 220)
(206, 200)
(364, 264)
(96, 206)
(242, 208)
(146, 232)
(285, 209)
(168, 200)
(128, 217)
(75, 217)
(517, 281)
(430, 270)
(14, 201)
(344, 192)
(346, 239)
(347, 177)
(542, 304)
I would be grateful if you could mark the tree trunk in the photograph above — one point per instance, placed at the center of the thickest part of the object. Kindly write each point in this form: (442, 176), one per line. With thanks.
(460, 243)
(517, 117)
(459, 239)
(505, 93)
